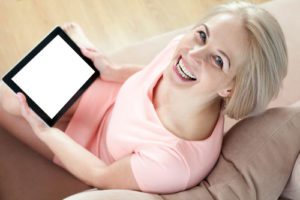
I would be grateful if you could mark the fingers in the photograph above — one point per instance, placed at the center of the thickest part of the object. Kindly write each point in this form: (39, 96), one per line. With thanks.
(91, 49)
(35, 122)
(90, 53)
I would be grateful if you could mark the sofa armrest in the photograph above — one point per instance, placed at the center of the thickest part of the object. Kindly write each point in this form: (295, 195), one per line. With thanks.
(114, 195)
(24, 174)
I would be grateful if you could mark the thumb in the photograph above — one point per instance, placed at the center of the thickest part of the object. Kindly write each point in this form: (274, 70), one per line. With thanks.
(34, 121)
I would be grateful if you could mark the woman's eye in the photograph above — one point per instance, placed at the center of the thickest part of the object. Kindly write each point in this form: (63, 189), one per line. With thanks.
(202, 35)
(218, 61)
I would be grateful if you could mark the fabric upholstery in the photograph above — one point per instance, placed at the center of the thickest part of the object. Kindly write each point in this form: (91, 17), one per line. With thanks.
(292, 189)
(113, 195)
(25, 175)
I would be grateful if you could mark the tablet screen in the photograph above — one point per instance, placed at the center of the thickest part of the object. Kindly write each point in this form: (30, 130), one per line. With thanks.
(52, 77)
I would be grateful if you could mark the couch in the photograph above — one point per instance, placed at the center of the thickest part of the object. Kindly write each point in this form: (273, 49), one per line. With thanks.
(259, 158)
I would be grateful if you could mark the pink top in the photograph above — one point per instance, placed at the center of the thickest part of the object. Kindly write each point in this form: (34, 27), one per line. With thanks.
(114, 121)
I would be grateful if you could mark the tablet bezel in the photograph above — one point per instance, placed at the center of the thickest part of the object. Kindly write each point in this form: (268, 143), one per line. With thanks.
(9, 81)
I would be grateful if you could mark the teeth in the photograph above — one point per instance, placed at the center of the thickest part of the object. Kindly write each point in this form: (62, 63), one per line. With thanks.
(181, 73)
(184, 72)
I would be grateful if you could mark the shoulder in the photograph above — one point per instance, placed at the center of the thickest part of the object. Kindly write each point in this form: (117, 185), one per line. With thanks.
(163, 162)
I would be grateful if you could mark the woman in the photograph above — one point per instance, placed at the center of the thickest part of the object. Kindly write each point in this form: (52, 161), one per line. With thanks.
(167, 119)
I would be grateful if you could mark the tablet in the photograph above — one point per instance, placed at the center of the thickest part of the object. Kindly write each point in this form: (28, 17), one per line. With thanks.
(52, 76)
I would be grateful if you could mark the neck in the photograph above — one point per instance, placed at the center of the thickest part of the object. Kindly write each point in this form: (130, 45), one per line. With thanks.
(190, 120)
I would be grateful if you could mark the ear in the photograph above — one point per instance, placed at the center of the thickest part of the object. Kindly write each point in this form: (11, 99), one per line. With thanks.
(226, 92)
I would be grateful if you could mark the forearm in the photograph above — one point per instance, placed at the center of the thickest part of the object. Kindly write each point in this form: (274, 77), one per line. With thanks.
(77, 160)
(128, 70)
(111, 71)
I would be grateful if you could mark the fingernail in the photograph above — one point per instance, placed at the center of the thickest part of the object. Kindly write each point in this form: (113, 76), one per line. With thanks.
(19, 96)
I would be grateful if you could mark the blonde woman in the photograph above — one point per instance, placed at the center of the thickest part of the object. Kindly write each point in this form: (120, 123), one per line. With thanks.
(165, 119)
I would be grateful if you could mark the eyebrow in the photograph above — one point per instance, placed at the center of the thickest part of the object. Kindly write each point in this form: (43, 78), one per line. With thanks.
(206, 29)
(221, 52)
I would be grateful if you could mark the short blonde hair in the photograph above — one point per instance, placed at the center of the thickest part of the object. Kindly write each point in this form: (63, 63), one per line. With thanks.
(259, 81)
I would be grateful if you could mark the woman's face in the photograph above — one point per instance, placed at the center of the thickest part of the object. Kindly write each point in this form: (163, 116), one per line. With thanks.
(207, 57)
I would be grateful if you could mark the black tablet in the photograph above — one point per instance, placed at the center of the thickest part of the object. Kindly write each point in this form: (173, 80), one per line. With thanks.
(52, 76)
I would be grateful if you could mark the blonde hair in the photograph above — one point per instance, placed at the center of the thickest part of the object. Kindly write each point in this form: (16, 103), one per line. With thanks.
(259, 81)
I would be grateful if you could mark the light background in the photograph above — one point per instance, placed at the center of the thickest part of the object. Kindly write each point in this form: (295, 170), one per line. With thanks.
(110, 24)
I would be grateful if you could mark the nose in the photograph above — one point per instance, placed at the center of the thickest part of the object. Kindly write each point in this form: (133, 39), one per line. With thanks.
(198, 53)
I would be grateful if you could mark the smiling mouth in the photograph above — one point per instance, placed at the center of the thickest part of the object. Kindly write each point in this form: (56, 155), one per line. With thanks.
(184, 72)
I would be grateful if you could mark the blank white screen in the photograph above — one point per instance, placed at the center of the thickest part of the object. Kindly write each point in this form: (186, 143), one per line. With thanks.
(53, 76)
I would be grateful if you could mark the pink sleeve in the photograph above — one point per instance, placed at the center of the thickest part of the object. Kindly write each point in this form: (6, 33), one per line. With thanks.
(160, 170)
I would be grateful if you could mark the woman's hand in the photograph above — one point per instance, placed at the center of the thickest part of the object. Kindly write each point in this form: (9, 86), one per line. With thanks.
(39, 127)
(109, 70)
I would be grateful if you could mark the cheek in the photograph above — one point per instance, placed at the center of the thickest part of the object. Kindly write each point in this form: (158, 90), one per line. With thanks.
(212, 79)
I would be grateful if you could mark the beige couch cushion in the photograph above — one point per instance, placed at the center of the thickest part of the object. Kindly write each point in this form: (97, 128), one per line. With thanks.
(292, 190)
(256, 160)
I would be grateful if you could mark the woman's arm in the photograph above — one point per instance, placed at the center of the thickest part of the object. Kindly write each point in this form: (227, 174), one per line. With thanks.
(77, 160)
(109, 70)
